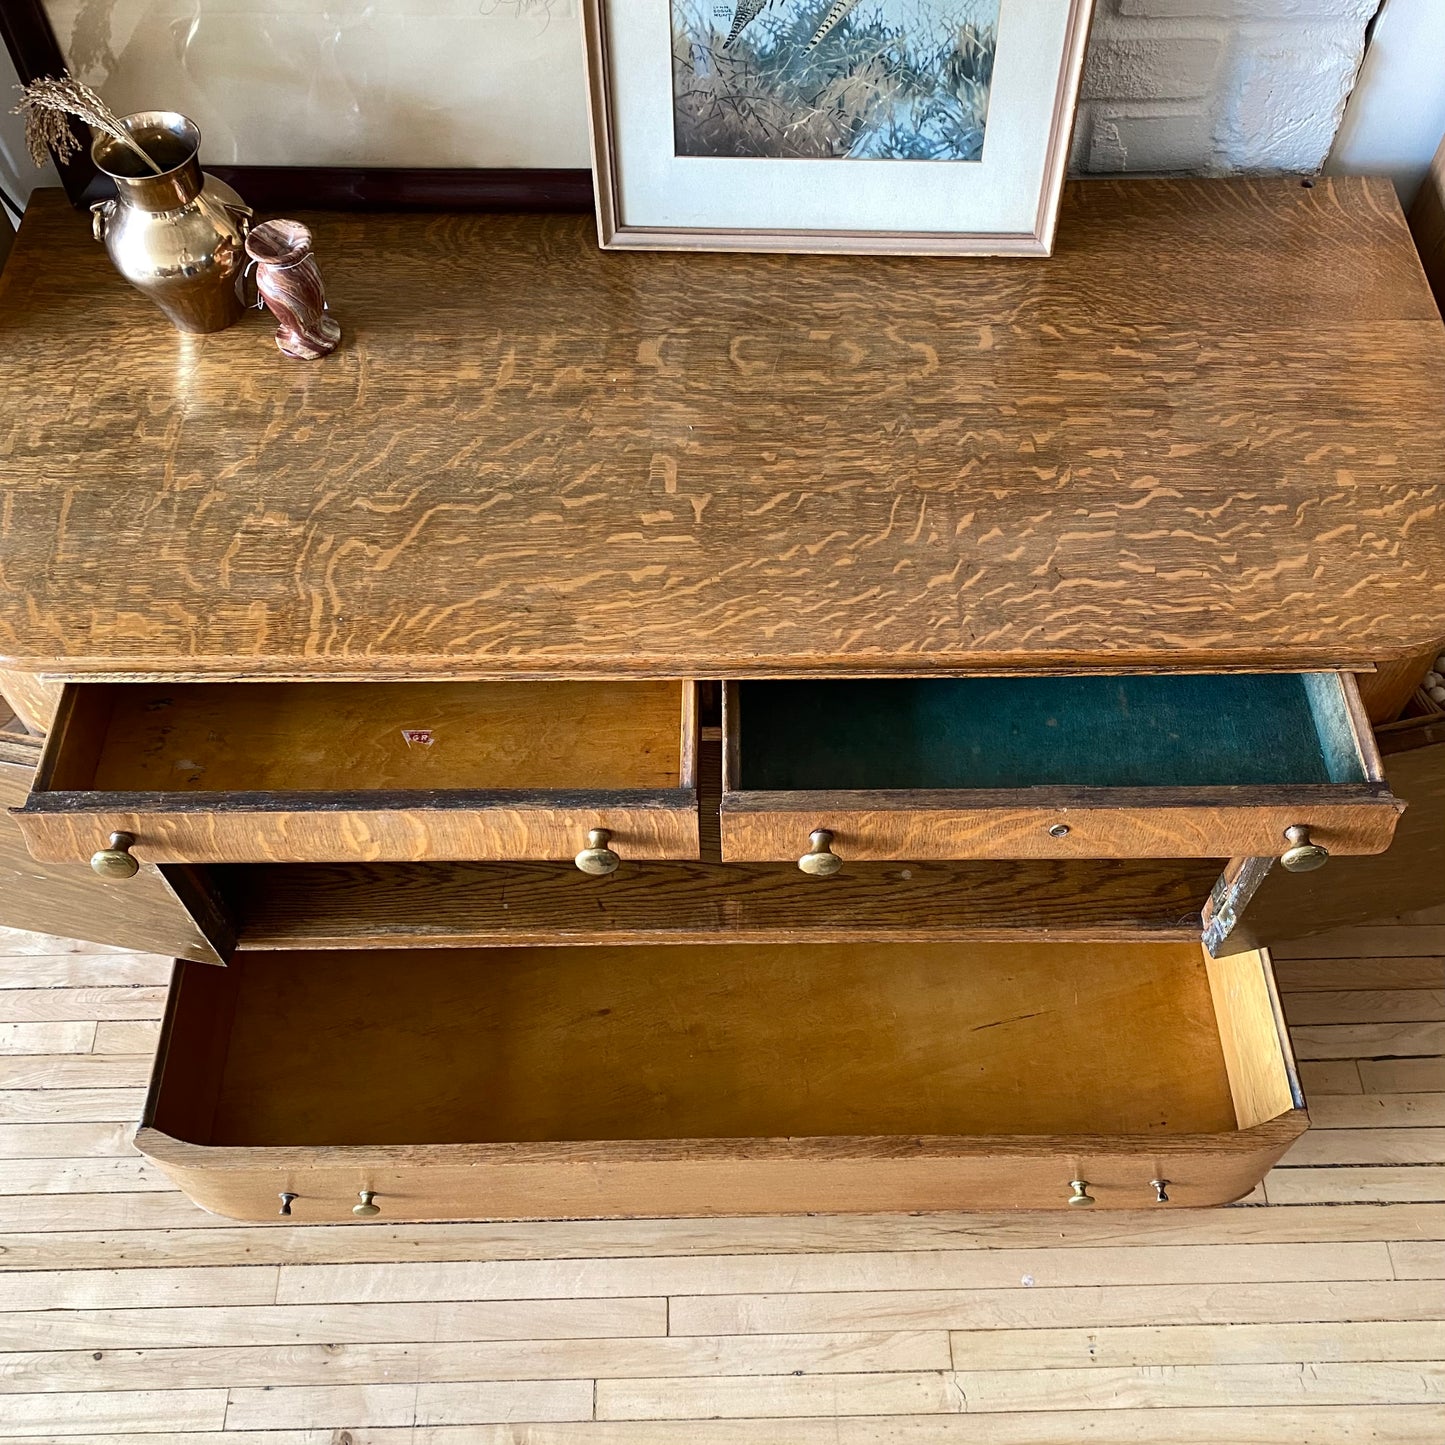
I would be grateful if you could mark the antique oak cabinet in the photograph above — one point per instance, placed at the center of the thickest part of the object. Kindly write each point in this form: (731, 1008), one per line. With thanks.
(645, 734)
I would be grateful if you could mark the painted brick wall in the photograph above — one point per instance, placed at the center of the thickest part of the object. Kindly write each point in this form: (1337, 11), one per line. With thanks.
(1217, 85)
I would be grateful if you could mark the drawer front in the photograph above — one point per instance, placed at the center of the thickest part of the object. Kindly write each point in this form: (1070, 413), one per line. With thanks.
(229, 830)
(707, 1080)
(1040, 768)
(315, 773)
(1033, 1177)
(772, 827)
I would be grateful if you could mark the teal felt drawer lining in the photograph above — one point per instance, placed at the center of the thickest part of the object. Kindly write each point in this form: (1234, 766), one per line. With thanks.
(994, 732)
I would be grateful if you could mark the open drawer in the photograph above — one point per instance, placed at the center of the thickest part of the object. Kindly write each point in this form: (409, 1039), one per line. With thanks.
(720, 1079)
(1136, 766)
(336, 772)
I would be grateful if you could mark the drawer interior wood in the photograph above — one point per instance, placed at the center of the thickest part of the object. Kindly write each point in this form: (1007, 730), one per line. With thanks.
(719, 1042)
(1004, 733)
(349, 737)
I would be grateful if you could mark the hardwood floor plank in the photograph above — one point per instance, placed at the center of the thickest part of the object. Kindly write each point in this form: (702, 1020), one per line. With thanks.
(135, 1413)
(751, 1396)
(79, 1289)
(146, 1230)
(1377, 1111)
(80, 1176)
(127, 1036)
(1365, 1006)
(65, 1141)
(1419, 1259)
(1236, 1344)
(154, 1209)
(1366, 1146)
(77, 1105)
(1096, 1307)
(1179, 1387)
(1296, 975)
(1329, 1076)
(1365, 1041)
(75, 1037)
(1384, 941)
(74, 1325)
(1003, 1269)
(84, 970)
(475, 1403)
(1163, 1387)
(1402, 1076)
(330, 1364)
(45, 1005)
(77, 1071)
(1325, 1424)
(1386, 1185)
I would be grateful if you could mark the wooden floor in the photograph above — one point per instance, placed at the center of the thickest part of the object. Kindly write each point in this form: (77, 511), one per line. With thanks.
(1314, 1313)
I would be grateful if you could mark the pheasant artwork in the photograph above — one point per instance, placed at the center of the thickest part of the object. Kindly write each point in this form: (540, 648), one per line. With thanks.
(833, 79)
(749, 10)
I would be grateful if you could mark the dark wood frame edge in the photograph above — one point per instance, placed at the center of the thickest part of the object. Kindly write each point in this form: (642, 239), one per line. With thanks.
(31, 41)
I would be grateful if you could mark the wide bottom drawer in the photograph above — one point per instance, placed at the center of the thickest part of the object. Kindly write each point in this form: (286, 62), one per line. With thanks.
(720, 1079)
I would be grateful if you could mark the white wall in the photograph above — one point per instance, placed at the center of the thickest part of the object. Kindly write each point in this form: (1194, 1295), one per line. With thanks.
(1214, 86)
(1396, 116)
(18, 176)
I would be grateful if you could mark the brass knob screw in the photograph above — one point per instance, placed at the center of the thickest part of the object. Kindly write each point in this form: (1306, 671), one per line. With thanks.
(366, 1209)
(114, 860)
(597, 858)
(1302, 856)
(820, 861)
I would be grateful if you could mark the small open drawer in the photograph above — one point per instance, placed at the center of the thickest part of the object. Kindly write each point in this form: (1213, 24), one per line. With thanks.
(1136, 766)
(336, 772)
(720, 1079)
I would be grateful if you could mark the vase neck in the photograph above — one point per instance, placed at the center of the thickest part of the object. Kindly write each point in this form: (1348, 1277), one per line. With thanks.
(177, 188)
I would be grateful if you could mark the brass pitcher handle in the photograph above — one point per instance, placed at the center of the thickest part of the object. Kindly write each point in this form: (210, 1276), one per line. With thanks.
(243, 214)
(100, 214)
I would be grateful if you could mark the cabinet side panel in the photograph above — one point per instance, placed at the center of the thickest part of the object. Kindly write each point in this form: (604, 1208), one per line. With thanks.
(1257, 1054)
(142, 914)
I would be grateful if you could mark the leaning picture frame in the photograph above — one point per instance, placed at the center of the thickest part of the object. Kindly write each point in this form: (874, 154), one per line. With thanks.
(895, 127)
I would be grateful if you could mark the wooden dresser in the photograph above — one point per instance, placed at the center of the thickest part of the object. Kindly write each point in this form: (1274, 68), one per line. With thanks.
(662, 734)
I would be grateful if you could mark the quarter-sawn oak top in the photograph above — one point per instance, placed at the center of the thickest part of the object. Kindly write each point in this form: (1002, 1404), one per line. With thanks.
(1207, 433)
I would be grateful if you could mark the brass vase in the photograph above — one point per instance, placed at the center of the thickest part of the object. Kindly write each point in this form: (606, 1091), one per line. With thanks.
(178, 237)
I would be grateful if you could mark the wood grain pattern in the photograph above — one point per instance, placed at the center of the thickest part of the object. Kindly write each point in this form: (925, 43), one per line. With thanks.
(661, 1106)
(304, 773)
(35, 699)
(359, 827)
(447, 906)
(1204, 434)
(1358, 890)
(156, 911)
(1158, 1327)
(1263, 1080)
(1102, 823)
(1427, 221)
(317, 737)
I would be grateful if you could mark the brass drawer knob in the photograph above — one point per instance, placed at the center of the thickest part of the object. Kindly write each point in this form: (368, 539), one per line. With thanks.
(287, 1199)
(1080, 1196)
(597, 858)
(1161, 1190)
(1302, 856)
(114, 860)
(366, 1209)
(820, 861)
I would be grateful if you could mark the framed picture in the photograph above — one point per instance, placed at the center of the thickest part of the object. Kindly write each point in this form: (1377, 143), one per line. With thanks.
(891, 126)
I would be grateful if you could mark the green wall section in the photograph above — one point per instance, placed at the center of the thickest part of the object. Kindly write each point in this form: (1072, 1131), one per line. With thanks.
(1118, 732)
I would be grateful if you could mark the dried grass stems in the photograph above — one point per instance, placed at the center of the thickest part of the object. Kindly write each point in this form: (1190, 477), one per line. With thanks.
(46, 105)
